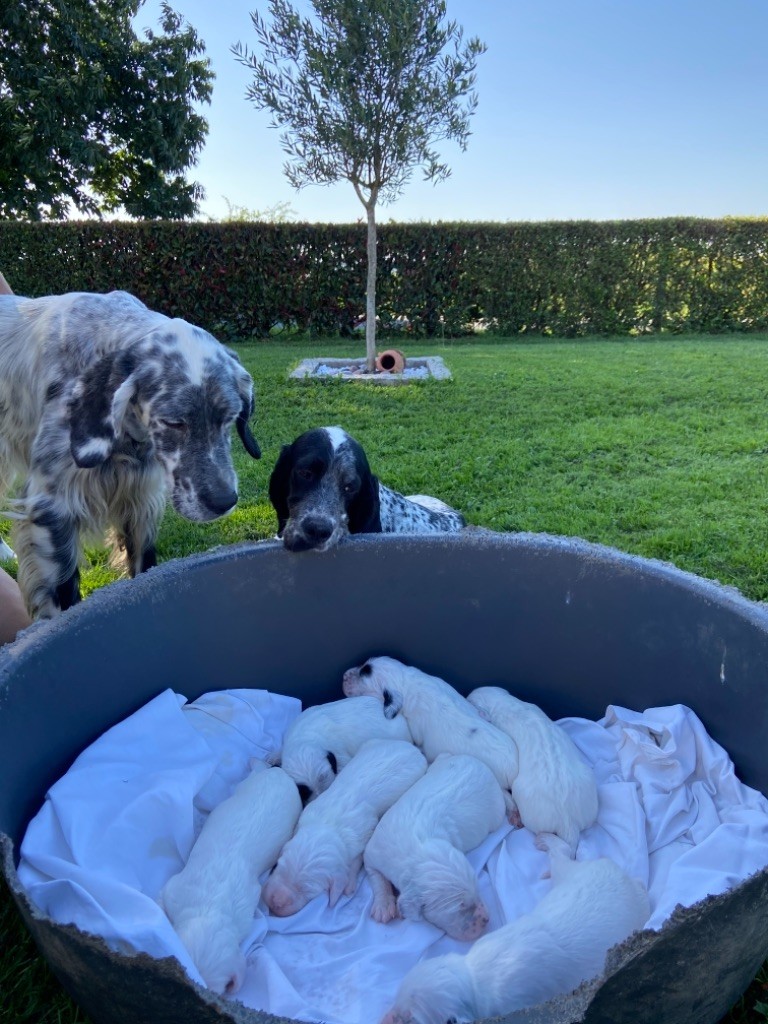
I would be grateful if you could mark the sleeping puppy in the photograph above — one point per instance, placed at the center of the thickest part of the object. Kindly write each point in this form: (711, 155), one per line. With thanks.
(419, 845)
(555, 789)
(322, 489)
(591, 907)
(326, 852)
(325, 737)
(440, 719)
(212, 900)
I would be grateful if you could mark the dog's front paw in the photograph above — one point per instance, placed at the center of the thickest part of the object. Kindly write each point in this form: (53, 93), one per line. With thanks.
(384, 910)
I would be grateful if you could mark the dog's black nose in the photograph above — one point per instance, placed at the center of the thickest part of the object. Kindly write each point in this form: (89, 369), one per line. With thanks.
(316, 529)
(220, 502)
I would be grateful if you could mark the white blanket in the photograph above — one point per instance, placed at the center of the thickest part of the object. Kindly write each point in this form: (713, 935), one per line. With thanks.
(124, 817)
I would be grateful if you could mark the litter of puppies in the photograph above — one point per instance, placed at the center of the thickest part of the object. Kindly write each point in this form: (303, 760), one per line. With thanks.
(404, 870)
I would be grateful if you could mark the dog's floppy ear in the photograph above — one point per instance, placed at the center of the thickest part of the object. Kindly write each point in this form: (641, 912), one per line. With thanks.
(410, 905)
(364, 510)
(336, 888)
(97, 407)
(245, 390)
(279, 483)
(250, 443)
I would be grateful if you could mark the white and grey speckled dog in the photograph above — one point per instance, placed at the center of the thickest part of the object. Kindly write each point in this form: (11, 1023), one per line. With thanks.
(420, 842)
(325, 737)
(105, 408)
(555, 789)
(322, 489)
(592, 906)
(440, 719)
(326, 852)
(212, 900)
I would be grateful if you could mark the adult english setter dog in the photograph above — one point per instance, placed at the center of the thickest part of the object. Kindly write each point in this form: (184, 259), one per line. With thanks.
(106, 407)
(322, 489)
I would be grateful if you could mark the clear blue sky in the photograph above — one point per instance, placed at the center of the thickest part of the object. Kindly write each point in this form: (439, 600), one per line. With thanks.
(596, 109)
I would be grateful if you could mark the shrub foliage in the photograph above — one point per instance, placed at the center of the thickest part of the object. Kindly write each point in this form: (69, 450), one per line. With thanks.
(565, 279)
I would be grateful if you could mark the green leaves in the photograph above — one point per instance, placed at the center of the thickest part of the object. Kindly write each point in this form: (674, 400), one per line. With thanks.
(94, 117)
(363, 91)
(562, 279)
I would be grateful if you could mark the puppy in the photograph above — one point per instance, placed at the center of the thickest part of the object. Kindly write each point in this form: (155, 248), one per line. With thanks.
(440, 719)
(322, 489)
(323, 739)
(212, 900)
(326, 853)
(591, 907)
(419, 845)
(555, 790)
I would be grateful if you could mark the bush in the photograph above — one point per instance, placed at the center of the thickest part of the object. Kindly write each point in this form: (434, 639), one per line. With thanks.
(566, 279)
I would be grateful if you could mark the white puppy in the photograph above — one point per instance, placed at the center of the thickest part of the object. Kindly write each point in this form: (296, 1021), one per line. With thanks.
(555, 790)
(212, 900)
(440, 719)
(324, 738)
(419, 844)
(326, 853)
(591, 907)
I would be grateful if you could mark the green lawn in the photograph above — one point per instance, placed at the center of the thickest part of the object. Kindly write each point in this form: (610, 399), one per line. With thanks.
(657, 447)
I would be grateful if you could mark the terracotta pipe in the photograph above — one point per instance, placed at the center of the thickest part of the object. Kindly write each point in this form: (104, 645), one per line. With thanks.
(391, 361)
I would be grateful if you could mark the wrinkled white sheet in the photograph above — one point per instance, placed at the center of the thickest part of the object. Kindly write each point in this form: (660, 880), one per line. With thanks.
(124, 817)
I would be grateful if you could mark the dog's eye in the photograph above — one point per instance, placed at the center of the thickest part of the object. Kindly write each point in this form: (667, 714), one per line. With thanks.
(366, 669)
(333, 762)
(387, 698)
(174, 424)
(304, 474)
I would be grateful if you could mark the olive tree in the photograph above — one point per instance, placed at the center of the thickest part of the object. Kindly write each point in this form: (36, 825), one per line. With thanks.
(94, 118)
(363, 91)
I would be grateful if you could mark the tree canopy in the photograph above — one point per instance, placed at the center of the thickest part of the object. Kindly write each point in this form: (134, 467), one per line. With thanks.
(93, 117)
(364, 91)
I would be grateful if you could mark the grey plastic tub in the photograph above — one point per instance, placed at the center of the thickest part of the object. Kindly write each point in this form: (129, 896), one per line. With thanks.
(572, 626)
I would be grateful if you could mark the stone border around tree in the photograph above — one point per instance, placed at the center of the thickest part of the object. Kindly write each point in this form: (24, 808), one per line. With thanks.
(354, 370)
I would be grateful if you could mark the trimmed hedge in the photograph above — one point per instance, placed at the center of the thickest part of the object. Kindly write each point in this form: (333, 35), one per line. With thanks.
(561, 278)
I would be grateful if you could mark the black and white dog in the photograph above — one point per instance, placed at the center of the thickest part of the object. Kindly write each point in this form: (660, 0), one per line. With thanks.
(322, 489)
(106, 408)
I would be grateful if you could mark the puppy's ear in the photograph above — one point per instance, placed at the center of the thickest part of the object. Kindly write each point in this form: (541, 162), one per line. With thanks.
(325, 777)
(245, 390)
(279, 483)
(338, 884)
(393, 702)
(364, 509)
(410, 906)
(97, 408)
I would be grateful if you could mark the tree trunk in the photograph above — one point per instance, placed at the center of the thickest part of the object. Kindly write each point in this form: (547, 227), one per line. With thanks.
(370, 292)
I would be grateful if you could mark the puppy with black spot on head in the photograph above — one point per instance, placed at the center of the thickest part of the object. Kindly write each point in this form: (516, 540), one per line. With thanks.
(322, 489)
(592, 906)
(326, 852)
(555, 789)
(325, 737)
(440, 719)
(211, 902)
(419, 845)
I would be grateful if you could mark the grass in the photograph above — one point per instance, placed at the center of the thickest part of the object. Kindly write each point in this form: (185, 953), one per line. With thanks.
(657, 447)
